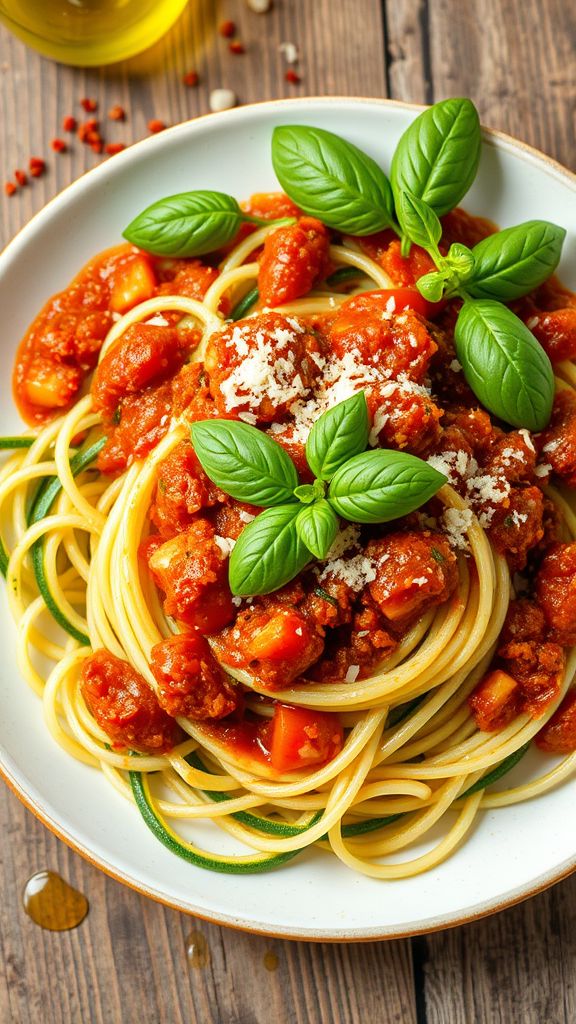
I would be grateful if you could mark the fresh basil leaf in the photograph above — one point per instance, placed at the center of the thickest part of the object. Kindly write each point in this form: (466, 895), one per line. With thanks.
(317, 526)
(380, 485)
(305, 493)
(419, 222)
(331, 179)
(431, 286)
(504, 365)
(244, 462)
(337, 435)
(514, 261)
(268, 552)
(187, 224)
(460, 260)
(437, 156)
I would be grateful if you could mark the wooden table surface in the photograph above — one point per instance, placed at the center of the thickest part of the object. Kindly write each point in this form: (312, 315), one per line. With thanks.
(127, 962)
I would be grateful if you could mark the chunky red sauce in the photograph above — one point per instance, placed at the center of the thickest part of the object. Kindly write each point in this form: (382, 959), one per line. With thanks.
(337, 620)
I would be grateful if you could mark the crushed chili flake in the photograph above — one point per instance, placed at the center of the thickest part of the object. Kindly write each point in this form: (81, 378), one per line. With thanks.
(58, 145)
(21, 177)
(93, 137)
(292, 76)
(111, 148)
(236, 46)
(89, 105)
(117, 113)
(97, 147)
(37, 166)
(191, 78)
(227, 29)
(155, 126)
(10, 188)
(69, 123)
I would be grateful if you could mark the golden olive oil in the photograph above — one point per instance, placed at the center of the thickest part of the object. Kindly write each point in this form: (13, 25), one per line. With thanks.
(90, 32)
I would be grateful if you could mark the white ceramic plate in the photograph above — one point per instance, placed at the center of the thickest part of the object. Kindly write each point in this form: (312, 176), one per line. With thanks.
(511, 853)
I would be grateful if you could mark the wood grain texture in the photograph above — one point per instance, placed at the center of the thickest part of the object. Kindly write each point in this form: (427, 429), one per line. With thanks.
(127, 963)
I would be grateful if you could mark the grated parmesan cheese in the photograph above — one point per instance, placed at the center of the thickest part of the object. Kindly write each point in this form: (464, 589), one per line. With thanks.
(226, 544)
(352, 673)
(527, 439)
(420, 581)
(356, 572)
(455, 522)
(543, 470)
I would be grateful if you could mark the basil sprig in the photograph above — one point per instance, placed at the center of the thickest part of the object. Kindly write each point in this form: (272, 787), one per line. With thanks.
(317, 526)
(331, 179)
(337, 435)
(437, 157)
(512, 262)
(244, 462)
(189, 224)
(268, 553)
(300, 521)
(504, 364)
(381, 485)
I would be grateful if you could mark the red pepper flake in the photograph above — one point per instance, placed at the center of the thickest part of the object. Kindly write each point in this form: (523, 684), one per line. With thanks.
(97, 146)
(89, 131)
(227, 29)
(93, 138)
(236, 46)
(191, 78)
(292, 76)
(58, 145)
(111, 148)
(117, 113)
(89, 105)
(21, 177)
(10, 188)
(37, 166)
(69, 123)
(155, 126)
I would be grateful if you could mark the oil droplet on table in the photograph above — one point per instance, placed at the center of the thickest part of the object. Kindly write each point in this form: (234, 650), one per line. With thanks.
(270, 961)
(197, 951)
(52, 903)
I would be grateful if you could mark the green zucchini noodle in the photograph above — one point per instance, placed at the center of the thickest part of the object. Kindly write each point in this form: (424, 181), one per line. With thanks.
(71, 554)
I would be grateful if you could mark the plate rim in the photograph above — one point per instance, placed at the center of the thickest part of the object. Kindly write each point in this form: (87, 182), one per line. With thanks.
(9, 772)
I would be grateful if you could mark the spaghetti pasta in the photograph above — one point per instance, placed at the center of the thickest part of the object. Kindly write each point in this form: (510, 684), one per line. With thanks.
(412, 754)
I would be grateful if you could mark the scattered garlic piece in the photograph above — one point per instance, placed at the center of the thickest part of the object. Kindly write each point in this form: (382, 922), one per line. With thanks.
(290, 51)
(222, 99)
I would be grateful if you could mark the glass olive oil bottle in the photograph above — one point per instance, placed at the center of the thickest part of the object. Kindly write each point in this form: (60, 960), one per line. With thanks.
(89, 32)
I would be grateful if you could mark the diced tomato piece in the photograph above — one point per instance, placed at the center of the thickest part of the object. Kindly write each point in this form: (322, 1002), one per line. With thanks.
(190, 680)
(302, 738)
(125, 707)
(559, 734)
(145, 354)
(294, 258)
(49, 384)
(285, 636)
(134, 282)
(495, 701)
